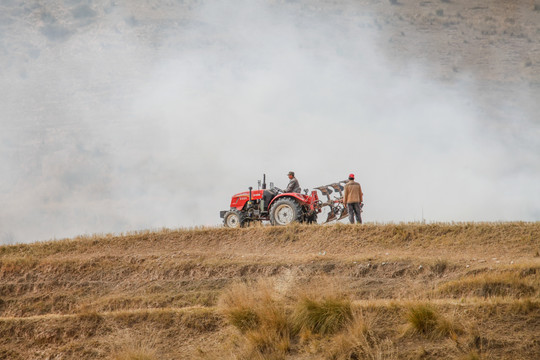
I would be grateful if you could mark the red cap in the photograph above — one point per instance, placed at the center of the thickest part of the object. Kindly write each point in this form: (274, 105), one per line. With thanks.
(351, 176)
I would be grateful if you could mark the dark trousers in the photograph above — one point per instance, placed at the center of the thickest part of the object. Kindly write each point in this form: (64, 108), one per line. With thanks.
(354, 210)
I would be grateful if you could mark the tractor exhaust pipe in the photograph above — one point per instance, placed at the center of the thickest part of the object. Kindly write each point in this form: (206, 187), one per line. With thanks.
(264, 182)
(250, 188)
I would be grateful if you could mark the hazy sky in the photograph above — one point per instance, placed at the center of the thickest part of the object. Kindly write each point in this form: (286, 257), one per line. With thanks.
(114, 118)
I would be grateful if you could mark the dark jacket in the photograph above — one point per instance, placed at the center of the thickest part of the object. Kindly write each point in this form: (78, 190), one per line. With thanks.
(293, 186)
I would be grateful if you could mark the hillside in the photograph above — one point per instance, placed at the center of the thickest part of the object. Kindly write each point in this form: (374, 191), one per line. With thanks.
(104, 105)
(172, 294)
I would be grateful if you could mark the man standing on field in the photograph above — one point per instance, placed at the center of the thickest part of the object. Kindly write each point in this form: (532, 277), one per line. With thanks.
(353, 198)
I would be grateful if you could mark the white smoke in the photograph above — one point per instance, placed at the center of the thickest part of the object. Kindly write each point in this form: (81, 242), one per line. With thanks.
(123, 117)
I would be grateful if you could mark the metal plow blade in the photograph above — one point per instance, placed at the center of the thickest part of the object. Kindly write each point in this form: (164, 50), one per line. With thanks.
(331, 216)
(337, 188)
(335, 203)
(324, 190)
(344, 213)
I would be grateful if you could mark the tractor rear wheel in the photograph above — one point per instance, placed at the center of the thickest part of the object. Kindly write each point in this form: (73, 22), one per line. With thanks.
(285, 211)
(233, 219)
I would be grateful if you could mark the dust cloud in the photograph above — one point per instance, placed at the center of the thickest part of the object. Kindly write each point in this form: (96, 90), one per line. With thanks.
(119, 116)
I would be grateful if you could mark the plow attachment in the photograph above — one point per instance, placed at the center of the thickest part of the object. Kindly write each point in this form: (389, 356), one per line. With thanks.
(337, 210)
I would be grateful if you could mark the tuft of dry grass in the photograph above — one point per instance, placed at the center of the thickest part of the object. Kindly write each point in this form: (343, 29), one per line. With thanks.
(239, 306)
(131, 349)
(525, 306)
(359, 341)
(322, 316)
(254, 310)
(488, 285)
(423, 318)
(271, 323)
(426, 320)
(250, 305)
(439, 266)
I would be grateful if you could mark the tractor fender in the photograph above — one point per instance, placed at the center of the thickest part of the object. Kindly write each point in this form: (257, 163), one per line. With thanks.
(299, 197)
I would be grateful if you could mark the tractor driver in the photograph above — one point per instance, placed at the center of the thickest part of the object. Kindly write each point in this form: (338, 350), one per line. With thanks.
(293, 186)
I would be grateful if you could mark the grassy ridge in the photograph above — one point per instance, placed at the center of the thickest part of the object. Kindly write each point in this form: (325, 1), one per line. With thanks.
(519, 236)
(338, 292)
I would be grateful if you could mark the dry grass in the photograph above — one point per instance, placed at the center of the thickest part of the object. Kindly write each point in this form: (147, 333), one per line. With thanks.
(515, 237)
(359, 341)
(325, 316)
(272, 322)
(329, 292)
(491, 285)
(473, 355)
(254, 309)
(426, 320)
(132, 346)
(251, 305)
(135, 354)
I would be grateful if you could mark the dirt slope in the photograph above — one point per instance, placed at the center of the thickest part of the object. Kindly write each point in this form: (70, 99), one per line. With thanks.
(91, 297)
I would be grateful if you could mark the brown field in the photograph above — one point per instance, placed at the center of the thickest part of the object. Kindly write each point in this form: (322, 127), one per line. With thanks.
(407, 291)
(377, 291)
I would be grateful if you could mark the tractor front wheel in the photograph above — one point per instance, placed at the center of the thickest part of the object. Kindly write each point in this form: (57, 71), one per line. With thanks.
(285, 211)
(233, 219)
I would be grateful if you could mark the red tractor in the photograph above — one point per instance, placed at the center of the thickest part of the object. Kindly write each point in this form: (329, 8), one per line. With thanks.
(280, 208)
